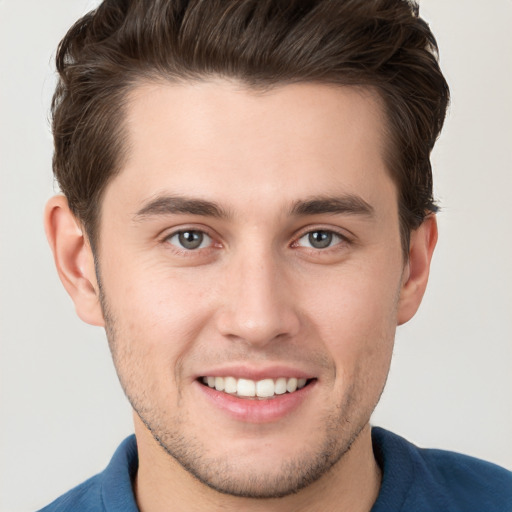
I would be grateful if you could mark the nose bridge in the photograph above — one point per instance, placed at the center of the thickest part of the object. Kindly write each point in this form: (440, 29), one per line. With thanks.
(258, 304)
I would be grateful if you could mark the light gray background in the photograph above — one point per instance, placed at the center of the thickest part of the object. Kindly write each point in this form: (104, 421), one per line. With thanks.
(62, 410)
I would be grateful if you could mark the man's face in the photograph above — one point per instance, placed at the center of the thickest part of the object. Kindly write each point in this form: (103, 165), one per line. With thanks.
(251, 239)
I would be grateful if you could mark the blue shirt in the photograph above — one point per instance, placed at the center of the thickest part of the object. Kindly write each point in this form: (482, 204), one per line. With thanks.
(413, 480)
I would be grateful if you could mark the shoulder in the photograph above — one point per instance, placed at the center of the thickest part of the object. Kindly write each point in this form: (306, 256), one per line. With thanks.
(429, 479)
(110, 490)
(86, 497)
(473, 483)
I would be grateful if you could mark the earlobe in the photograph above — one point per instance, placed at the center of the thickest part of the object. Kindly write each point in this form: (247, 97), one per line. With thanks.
(74, 259)
(415, 277)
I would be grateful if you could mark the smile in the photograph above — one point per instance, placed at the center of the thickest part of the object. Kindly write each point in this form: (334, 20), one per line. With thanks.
(247, 388)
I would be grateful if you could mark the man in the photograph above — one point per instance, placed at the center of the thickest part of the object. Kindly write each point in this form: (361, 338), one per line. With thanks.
(248, 212)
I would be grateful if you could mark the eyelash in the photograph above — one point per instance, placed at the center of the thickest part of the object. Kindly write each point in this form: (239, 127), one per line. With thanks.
(183, 251)
(341, 240)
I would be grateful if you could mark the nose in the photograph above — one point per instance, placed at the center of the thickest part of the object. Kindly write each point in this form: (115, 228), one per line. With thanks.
(258, 301)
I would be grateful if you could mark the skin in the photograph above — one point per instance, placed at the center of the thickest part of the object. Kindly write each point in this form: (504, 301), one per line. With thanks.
(255, 295)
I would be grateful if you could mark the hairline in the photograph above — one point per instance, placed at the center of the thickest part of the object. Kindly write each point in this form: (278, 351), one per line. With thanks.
(141, 80)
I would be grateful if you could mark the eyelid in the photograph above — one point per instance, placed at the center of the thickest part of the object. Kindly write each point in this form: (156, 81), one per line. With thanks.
(345, 237)
(343, 234)
(336, 240)
(206, 240)
(167, 234)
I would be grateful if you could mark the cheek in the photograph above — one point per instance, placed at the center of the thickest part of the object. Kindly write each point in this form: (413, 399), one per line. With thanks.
(355, 317)
(357, 303)
(156, 298)
(156, 317)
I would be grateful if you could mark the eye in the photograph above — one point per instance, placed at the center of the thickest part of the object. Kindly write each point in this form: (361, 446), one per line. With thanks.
(190, 239)
(319, 239)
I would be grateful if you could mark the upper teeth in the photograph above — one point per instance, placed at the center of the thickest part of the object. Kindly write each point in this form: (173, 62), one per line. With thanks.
(262, 388)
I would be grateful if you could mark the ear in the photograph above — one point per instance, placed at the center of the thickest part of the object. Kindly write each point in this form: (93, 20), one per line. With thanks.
(74, 259)
(416, 271)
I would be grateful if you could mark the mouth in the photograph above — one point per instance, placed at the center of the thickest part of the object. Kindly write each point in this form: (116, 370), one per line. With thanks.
(255, 389)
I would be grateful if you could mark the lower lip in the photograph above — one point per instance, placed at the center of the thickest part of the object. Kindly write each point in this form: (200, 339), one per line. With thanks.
(254, 410)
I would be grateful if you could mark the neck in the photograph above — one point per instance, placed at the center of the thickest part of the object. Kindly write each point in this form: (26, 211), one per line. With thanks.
(352, 484)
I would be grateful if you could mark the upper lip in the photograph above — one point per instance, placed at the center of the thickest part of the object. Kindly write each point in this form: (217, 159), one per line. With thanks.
(253, 373)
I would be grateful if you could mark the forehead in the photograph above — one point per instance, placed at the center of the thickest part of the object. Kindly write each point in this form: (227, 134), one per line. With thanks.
(220, 138)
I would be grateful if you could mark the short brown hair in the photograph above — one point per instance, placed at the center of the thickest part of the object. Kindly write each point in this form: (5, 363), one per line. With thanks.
(382, 44)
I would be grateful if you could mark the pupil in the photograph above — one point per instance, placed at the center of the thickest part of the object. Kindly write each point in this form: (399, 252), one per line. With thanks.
(320, 239)
(191, 239)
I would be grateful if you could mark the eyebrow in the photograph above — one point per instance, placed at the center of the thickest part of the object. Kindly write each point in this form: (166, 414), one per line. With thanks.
(348, 204)
(169, 205)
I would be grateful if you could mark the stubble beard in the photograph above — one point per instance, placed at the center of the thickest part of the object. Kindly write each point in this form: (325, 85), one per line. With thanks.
(239, 480)
(219, 473)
